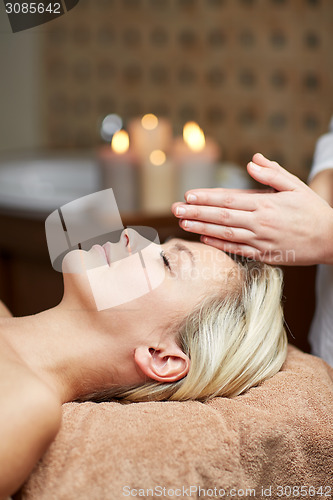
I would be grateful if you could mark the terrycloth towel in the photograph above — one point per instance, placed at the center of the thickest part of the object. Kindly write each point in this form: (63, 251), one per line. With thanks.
(277, 436)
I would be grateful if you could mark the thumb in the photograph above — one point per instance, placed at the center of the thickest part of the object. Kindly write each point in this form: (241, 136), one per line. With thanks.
(272, 174)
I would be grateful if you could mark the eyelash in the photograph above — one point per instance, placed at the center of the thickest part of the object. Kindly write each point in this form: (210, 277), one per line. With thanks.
(165, 260)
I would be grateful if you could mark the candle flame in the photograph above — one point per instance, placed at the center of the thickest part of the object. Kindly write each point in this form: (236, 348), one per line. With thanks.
(193, 136)
(120, 142)
(149, 121)
(157, 157)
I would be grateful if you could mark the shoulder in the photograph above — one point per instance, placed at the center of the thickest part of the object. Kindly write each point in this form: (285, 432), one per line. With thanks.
(4, 311)
(24, 391)
(29, 421)
(40, 398)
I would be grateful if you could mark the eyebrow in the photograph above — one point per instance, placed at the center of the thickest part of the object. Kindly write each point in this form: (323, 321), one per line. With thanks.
(183, 248)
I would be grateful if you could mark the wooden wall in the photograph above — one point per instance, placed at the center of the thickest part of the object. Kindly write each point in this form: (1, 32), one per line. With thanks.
(256, 74)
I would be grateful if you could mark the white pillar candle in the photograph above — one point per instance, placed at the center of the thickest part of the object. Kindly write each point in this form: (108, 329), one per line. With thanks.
(149, 133)
(157, 183)
(119, 171)
(195, 159)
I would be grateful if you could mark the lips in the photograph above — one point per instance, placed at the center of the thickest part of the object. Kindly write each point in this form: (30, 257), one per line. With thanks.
(106, 255)
(107, 250)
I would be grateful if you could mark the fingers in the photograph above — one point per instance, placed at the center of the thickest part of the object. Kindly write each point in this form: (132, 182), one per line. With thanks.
(175, 205)
(238, 199)
(272, 174)
(233, 234)
(214, 215)
(260, 159)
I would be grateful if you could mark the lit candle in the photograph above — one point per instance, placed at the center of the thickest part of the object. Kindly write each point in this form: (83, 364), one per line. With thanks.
(157, 183)
(148, 134)
(195, 157)
(119, 171)
(120, 142)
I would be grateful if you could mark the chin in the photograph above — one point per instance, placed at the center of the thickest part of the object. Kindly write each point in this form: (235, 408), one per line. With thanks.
(80, 261)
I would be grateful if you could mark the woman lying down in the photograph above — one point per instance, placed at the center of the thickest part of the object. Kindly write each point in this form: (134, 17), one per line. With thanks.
(212, 327)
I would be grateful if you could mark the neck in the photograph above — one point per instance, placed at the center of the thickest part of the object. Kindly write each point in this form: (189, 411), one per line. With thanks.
(65, 350)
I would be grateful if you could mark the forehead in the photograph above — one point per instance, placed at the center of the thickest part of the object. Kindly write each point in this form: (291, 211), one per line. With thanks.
(202, 252)
(209, 264)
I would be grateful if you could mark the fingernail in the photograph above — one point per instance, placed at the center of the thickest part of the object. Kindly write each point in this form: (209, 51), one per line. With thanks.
(191, 197)
(187, 223)
(255, 166)
(180, 211)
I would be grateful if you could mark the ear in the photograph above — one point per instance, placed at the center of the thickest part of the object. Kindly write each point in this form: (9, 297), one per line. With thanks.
(167, 363)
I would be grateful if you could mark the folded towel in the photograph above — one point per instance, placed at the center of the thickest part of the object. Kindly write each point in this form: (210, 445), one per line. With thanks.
(275, 437)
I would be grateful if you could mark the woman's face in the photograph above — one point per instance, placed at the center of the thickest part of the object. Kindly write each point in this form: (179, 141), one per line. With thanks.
(154, 281)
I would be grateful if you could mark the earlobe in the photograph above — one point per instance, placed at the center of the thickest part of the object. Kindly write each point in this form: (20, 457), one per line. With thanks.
(163, 364)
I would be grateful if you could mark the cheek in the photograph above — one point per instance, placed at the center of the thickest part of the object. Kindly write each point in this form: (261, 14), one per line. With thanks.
(123, 282)
(118, 284)
(161, 305)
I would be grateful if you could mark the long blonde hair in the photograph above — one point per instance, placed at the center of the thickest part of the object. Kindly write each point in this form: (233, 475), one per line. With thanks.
(234, 341)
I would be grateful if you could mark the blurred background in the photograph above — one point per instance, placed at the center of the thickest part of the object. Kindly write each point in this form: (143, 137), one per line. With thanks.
(255, 75)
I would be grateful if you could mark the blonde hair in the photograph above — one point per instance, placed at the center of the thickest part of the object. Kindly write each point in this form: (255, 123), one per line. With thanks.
(234, 342)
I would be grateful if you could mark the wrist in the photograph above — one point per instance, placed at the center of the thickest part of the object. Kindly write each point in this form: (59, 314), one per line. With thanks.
(327, 244)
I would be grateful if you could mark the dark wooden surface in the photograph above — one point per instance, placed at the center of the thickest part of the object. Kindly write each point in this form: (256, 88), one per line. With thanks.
(28, 284)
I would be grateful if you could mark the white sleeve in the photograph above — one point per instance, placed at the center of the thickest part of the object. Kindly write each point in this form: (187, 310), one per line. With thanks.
(323, 156)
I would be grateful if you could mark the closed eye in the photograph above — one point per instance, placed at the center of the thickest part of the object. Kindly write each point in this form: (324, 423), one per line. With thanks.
(165, 260)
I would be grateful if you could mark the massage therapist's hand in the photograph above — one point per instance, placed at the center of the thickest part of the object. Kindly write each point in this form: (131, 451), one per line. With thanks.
(288, 225)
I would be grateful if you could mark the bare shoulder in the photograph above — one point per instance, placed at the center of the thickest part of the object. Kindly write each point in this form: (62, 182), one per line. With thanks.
(24, 390)
(4, 311)
(30, 418)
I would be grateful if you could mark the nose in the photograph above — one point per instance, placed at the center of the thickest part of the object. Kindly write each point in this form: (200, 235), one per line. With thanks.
(131, 239)
(124, 238)
(134, 241)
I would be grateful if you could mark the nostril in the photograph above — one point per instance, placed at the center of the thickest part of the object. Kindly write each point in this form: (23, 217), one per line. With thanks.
(130, 239)
(126, 238)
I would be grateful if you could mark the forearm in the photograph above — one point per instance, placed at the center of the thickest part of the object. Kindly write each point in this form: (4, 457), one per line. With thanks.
(327, 241)
(322, 184)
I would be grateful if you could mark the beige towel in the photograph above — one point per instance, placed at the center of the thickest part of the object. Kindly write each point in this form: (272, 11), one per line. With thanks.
(276, 436)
